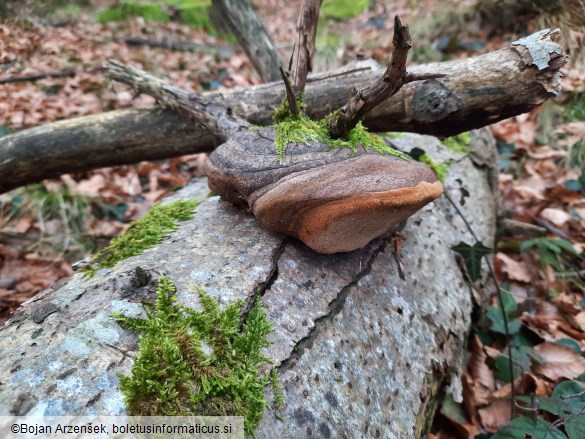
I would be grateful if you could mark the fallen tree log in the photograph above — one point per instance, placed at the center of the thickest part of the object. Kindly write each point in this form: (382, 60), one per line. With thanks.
(364, 342)
(476, 92)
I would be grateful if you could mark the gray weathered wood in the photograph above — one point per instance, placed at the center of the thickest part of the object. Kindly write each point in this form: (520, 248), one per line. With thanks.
(361, 351)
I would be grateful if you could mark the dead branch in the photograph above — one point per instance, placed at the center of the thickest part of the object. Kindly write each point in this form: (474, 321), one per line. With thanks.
(28, 78)
(216, 118)
(301, 60)
(179, 46)
(510, 83)
(385, 86)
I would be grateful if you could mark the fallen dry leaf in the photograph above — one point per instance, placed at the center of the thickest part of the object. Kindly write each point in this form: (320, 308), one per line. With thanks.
(559, 362)
(495, 415)
(516, 270)
(556, 216)
(482, 380)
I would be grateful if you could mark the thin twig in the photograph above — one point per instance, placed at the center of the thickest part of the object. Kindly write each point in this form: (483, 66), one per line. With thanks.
(28, 78)
(500, 303)
(290, 95)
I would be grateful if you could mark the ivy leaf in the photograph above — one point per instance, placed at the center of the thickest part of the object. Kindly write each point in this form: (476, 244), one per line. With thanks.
(555, 406)
(575, 426)
(495, 315)
(572, 391)
(472, 256)
(497, 319)
(519, 428)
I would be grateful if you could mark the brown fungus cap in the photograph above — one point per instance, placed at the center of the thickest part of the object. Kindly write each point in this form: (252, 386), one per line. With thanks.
(333, 201)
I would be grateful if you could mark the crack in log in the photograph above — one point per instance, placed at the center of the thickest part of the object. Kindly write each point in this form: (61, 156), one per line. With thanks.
(262, 287)
(335, 307)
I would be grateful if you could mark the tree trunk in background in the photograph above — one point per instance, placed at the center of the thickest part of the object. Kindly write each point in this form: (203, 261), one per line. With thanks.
(239, 18)
(361, 350)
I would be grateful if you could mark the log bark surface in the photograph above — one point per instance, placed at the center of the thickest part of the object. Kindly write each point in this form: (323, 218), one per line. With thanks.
(359, 349)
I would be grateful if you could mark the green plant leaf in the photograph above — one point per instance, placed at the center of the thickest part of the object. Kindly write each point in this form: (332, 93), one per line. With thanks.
(497, 319)
(520, 427)
(573, 185)
(555, 406)
(472, 256)
(453, 411)
(495, 316)
(571, 392)
(575, 426)
(521, 356)
(565, 245)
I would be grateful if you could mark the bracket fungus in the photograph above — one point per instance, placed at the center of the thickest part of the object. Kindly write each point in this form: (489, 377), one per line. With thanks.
(332, 200)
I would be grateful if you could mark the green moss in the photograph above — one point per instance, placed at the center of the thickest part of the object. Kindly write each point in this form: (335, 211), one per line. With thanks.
(143, 233)
(343, 9)
(173, 374)
(459, 143)
(194, 13)
(575, 108)
(276, 389)
(301, 129)
(125, 10)
(283, 113)
(394, 135)
(439, 168)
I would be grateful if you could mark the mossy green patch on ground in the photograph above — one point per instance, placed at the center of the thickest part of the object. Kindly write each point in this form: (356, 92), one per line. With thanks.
(143, 233)
(194, 13)
(301, 129)
(459, 143)
(198, 362)
(343, 9)
(575, 108)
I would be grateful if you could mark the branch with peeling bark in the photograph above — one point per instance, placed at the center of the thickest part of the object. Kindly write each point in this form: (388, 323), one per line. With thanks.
(218, 119)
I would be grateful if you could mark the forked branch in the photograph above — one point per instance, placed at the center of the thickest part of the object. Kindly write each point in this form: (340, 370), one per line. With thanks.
(364, 100)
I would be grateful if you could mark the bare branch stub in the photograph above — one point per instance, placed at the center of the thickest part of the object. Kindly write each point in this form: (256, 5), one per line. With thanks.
(301, 60)
(374, 94)
(219, 120)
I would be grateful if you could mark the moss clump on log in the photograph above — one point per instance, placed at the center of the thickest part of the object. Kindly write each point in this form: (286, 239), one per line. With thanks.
(459, 143)
(146, 232)
(301, 129)
(199, 362)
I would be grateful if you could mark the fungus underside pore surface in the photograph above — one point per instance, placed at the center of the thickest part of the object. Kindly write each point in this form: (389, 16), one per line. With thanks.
(143, 233)
(301, 129)
(199, 362)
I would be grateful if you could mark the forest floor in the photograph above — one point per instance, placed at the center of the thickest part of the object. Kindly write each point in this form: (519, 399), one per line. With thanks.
(46, 227)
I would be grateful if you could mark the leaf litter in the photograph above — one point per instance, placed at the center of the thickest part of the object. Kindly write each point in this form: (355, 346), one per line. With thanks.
(542, 162)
